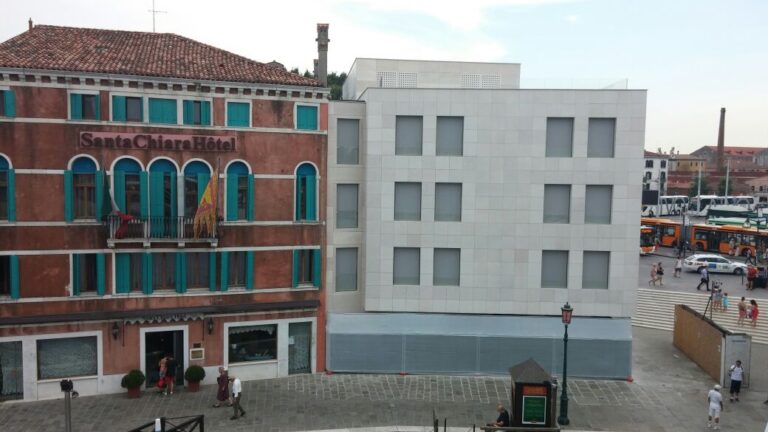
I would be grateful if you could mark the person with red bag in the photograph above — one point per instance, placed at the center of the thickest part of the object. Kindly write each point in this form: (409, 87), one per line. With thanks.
(161, 380)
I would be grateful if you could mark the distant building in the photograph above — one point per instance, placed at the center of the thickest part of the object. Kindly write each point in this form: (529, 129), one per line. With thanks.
(655, 172)
(686, 163)
(761, 158)
(740, 158)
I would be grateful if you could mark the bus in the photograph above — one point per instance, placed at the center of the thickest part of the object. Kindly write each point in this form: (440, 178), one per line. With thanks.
(669, 205)
(746, 201)
(647, 240)
(727, 239)
(667, 232)
(699, 205)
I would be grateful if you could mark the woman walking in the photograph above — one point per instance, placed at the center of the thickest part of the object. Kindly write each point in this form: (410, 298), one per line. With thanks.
(660, 274)
(653, 275)
(678, 266)
(753, 312)
(742, 311)
(222, 392)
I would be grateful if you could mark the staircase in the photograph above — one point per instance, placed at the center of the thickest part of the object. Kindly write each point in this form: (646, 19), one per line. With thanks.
(656, 309)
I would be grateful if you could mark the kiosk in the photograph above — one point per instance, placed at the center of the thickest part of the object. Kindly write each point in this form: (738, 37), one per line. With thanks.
(533, 398)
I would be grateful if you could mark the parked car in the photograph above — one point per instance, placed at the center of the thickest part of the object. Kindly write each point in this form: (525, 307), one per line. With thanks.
(714, 264)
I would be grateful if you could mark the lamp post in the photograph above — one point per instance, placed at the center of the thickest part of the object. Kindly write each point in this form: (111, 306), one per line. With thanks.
(567, 313)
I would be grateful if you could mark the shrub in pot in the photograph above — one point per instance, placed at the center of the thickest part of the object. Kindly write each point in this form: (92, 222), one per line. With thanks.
(133, 381)
(194, 374)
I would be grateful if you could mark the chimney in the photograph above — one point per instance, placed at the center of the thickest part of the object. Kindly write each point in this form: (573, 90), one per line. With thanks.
(321, 71)
(31, 24)
(721, 143)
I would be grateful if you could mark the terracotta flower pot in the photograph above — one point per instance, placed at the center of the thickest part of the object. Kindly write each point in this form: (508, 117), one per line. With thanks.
(134, 392)
(193, 386)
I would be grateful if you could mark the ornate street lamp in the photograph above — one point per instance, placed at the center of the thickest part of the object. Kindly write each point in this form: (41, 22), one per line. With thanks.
(567, 313)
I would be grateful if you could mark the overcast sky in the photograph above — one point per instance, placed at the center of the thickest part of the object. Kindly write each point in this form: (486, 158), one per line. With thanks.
(693, 56)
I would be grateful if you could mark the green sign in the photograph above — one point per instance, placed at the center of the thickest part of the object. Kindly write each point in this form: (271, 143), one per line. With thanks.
(534, 409)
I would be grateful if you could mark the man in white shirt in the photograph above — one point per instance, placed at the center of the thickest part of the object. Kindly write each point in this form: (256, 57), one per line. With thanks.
(715, 406)
(737, 374)
(237, 390)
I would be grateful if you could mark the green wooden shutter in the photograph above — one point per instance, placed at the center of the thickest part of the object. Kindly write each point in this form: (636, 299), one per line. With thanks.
(122, 273)
(69, 196)
(14, 262)
(101, 278)
(118, 177)
(296, 267)
(316, 268)
(11, 195)
(10, 103)
(249, 201)
(237, 114)
(146, 270)
(212, 271)
(75, 106)
(181, 272)
(311, 198)
(99, 179)
(173, 227)
(162, 111)
(224, 271)
(97, 103)
(157, 203)
(144, 193)
(299, 198)
(232, 196)
(118, 108)
(249, 258)
(188, 112)
(306, 117)
(76, 274)
(205, 113)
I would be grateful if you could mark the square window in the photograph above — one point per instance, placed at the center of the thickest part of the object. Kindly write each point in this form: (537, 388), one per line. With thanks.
(407, 201)
(346, 206)
(557, 203)
(407, 266)
(448, 202)
(5, 275)
(67, 357)
(2, 103)
(238, 114)
(450, 136)
(133, 109)
(559, 137)
(447, 267)
(162, 111)
(648, 163)
(89, 107)
(346, 269)
(347, 141)
(84, 273)
(306, 117)
(408, 135)
(197, 270)
(252, 343)
(164, 271)
(236, 263)
(598, 204)
(554, 269)
(596, 270)
(306, 270)
(601, 137)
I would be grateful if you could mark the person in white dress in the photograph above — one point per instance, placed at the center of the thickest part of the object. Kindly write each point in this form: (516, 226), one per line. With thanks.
(715, 400)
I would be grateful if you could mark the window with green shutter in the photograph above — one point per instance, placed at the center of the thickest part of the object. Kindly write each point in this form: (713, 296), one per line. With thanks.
(239, 192)
(84, 106)
(306, 193)
(85, 275)
(306, 117)
(7, 103)
(238, 114)
(162, 111)
(127, 109)
(197, 113)
(7, 191)
(306, 267)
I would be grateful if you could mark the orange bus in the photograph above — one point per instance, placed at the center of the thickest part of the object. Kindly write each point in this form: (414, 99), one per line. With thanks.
(727, 239)
(647, 243)
(667, 231)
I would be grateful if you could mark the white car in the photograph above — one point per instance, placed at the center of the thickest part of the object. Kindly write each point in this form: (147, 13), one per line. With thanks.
(713, 264)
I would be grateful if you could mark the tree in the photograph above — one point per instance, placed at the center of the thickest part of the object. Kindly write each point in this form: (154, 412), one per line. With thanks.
(694, 188)
(336, 82)
(721, 187)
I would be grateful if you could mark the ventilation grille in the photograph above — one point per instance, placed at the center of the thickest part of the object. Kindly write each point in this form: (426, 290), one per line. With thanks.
(480, 81)
(397, 79)
(386, 79)
(491, 81)
(407, 79)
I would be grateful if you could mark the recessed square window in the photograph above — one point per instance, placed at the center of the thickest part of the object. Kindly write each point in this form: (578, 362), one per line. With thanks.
(407, 201)
(409, 132)
(407, 266)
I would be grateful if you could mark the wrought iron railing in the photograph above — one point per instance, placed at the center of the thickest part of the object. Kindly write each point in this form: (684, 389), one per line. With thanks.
(124, 227)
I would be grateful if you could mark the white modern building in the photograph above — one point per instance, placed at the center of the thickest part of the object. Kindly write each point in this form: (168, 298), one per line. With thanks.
(655, 172)
(464, 211)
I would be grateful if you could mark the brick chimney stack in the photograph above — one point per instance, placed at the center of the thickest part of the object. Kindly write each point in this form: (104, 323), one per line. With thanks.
(721, 143)
(31, 24)
(321, 70)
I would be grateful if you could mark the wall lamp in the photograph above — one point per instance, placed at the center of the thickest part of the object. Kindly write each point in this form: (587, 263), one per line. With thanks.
(210, 325)
(115, 331)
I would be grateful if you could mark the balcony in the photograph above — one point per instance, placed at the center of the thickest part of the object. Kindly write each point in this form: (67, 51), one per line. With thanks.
(157, 229)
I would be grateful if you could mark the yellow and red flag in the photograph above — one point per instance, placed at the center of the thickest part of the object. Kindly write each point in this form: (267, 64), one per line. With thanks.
(205, 217)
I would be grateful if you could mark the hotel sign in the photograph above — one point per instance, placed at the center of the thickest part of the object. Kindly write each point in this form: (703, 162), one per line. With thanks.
(139, 141)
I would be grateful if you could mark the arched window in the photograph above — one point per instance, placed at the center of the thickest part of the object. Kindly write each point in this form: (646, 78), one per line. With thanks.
(130, 184)
(306, 193)
(80, 194)
(7, 191)
(163, 207)
(196, 177)
(239, 192)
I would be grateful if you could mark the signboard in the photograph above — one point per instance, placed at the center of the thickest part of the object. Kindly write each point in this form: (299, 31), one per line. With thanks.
(139, 141)
(534, 409)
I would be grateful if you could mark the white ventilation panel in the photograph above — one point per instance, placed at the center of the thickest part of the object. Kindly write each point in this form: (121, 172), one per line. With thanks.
(386, 79)
(491, 81)
(407, 79)
(471, 80)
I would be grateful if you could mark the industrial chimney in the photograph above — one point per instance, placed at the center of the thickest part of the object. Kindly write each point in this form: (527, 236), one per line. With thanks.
(321, 70)
(721, 143)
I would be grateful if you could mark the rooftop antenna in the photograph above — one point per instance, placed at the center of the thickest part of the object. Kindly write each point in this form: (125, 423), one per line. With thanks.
(154, 14)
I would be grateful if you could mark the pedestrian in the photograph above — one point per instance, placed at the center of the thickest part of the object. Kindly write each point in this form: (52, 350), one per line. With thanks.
(704, 279)
(732, 246)
(726, 302)
(503, 419)
(715, 400)
(660, 274)
(678, 266)
(161, 365)
(717, 300)
(742, 311)
(736, 372)
(653, 275)
(237, 392)
(170, 374)
(753, 312)
(222, 392)
(751, 276)
(750, 258)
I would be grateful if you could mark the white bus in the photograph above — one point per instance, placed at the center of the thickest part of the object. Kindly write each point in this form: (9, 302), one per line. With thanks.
(669, 205)
(745, 201)
(699, 205)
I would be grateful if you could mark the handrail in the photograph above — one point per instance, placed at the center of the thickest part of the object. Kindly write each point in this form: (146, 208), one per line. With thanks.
(126, 227)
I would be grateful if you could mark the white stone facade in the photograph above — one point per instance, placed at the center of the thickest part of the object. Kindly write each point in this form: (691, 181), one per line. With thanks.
(503, 172)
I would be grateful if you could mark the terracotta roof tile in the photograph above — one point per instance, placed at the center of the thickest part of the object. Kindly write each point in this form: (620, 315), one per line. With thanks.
(136, 53)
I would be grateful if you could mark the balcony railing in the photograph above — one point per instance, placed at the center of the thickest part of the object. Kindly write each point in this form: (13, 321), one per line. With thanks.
(129, 229)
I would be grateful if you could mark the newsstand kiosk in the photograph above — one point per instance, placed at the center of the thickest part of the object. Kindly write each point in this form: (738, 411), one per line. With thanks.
(533, 398)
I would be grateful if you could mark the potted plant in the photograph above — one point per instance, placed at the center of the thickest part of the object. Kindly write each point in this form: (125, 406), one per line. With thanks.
(194, 374)
(133, 381)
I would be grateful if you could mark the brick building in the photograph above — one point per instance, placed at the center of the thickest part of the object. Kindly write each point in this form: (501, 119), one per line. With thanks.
(88, 117)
